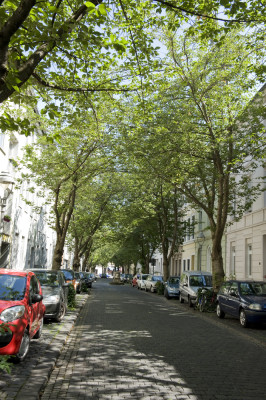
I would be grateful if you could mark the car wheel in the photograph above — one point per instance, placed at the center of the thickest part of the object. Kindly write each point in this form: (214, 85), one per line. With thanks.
(190, 304)
(138, 287)
(152, 289)
(62, 312)
(243, 318)
(24, 347)
(166, 294)
(181, 298)
(146, 289)
(38, 334)
(219, 312)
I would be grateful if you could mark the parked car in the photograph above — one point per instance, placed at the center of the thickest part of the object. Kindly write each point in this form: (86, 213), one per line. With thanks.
(141, 281)
(22, 310)
(128, 278)
(70, 277)
(134, 281)
(245, 300)
(55, 292)
(94, 277)
(80, 278)
(88, 279)
(150, 282)
(171, 287)
(122, 277)
(189, 284)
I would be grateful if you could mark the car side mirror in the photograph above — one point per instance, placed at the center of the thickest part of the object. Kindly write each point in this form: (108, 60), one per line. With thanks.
(36, 298)
(233, 293)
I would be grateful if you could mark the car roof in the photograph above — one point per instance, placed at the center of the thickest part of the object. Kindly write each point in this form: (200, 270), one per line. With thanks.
(43, 270)
(197, 273)
(14, 272)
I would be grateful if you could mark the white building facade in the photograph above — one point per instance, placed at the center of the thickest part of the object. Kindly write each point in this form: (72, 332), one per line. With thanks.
(26, 239)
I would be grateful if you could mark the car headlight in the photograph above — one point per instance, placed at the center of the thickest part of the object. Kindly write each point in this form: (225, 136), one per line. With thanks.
(12, 313)
(52, 299)
(255, 306)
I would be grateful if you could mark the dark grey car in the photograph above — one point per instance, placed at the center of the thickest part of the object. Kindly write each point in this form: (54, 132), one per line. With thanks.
(55, 293)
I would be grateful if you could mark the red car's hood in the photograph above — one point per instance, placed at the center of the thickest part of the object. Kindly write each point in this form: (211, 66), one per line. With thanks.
(7, 304)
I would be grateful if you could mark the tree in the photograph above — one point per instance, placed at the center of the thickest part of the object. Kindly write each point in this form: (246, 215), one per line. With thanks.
(215, 134)
(65, 169)
(58, 45)
(94, 206)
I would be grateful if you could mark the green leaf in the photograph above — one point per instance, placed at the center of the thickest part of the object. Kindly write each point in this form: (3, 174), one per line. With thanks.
(102, 9)
(90, 5)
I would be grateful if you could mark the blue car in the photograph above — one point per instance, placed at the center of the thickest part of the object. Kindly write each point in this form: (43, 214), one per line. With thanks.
(171, 287)
(245, 300)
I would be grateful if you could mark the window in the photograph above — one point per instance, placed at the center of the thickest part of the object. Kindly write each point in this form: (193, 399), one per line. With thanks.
(200, 220)
(209, 259)
(184, 265)
(34, 287)
(234, 289)
(249, 260)
(192, 229)
(233, 260)
(188, 229)
(2, 140)
(188, 264)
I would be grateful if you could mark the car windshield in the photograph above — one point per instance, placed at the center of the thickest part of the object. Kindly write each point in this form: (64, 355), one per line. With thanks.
(68, 275)
(253, 288)
(12, 287)
(47, 278)
(200, 280)
(157, 278)
(174, 280)
(144, 277)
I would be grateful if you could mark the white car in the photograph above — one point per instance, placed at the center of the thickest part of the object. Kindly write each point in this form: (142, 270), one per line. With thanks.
(141, 281)
(150, 283)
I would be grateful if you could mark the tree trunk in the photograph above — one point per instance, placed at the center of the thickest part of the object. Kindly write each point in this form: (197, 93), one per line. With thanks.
(217, 265)
(165, 268)
(76, 261)
(58, 254)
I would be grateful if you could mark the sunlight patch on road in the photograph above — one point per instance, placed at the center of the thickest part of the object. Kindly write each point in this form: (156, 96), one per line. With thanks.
(115, 370)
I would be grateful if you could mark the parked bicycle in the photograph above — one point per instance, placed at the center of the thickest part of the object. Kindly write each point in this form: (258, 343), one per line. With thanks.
(206, 300)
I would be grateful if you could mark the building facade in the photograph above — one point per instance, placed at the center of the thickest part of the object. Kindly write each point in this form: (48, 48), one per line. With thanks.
(26, 238)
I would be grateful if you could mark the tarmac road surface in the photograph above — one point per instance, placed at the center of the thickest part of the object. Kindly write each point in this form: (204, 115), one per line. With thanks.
(129, 344)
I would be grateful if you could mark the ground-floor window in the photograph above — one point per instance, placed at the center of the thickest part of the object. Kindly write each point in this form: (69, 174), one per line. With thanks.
(233, 260)
(249, 259)
(209, 260)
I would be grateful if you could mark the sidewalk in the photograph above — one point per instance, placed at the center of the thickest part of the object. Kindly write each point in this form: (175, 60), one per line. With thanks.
(27, 379)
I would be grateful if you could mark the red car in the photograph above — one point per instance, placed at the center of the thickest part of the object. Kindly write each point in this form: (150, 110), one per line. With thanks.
(134, 282)
(21, 312)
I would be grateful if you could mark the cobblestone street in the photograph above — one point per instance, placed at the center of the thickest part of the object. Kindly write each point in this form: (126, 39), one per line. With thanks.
(129, 344)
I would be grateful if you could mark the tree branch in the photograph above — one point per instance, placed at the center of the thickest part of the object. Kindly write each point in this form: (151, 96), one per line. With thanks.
(170, 5)
(78, 89)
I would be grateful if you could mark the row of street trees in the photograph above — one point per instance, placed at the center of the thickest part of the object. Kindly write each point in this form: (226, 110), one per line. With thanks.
(131, 131)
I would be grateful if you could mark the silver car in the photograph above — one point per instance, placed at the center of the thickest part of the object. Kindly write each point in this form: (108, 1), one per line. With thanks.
(55, 293)
(189, 284)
